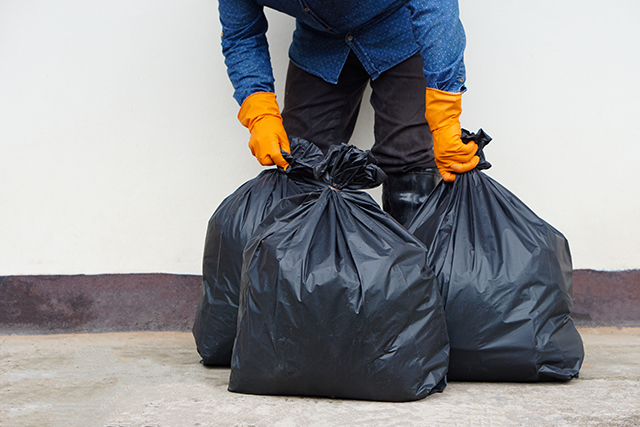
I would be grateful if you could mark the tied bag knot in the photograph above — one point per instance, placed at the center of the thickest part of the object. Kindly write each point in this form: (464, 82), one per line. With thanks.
(348, 167)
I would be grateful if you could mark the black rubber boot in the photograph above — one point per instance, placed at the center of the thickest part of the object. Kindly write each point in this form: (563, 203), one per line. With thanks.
(404, 193)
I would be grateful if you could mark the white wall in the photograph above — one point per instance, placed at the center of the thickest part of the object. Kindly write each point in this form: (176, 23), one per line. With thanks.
(118, 133)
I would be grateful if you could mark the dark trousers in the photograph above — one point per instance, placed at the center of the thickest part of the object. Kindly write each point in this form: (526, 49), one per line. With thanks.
(326, 113)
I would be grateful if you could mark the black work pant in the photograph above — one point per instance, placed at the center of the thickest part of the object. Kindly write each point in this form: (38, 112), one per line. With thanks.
(326, 113)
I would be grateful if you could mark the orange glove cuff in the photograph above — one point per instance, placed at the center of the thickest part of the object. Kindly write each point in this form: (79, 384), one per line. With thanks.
(257, 106)
(442, 108)
(261, 115)
(452, 156)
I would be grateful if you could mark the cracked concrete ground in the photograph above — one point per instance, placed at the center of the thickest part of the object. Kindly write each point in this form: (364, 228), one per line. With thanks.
(144, 379)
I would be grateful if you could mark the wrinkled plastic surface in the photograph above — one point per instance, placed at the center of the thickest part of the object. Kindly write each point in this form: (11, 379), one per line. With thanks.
(337, 300)
(346, 167)
(505, 277)
(230, 228)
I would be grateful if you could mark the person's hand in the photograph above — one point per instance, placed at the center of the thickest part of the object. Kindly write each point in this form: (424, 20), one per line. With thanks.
(452, 156)
(261, 115)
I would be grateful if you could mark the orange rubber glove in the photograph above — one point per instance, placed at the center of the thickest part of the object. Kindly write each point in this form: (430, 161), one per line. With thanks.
(260, 114)
(443, 115)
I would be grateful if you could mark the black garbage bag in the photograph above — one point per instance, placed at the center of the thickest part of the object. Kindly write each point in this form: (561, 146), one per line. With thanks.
(230, 227)
(336, 298)
(505, 276)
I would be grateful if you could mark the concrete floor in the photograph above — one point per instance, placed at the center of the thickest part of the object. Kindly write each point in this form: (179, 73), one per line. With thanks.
(144, 379)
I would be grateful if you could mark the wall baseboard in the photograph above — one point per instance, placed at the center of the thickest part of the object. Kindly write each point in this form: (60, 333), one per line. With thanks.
(606, 298)
(168, 302)
(98, 303)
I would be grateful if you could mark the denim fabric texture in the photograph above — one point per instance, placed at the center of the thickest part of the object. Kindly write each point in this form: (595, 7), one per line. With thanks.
(381, 33)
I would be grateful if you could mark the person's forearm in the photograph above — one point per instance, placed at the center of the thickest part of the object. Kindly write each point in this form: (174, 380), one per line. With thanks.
(441, 39)
(245, 48)
(440, 36)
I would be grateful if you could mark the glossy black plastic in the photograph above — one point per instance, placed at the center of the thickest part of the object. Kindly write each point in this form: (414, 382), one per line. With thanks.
(336, 298)
(505, 276)
(229, 229)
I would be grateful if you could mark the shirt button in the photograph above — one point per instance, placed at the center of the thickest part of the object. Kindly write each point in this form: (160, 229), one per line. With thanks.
(460, 79)
(350, 38)
(306, 9)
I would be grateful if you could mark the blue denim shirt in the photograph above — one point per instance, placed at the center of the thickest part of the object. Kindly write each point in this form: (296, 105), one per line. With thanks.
(382, 33)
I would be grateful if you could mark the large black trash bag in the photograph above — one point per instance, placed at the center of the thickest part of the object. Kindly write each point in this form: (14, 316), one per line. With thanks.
(230, 227)
(336, 298)
(505, 276)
